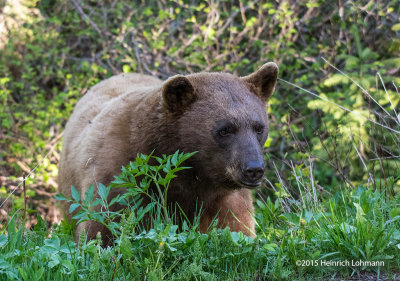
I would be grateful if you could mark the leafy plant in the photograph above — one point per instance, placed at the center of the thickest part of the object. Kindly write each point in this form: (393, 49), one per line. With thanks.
(366, 235)
(136, 177)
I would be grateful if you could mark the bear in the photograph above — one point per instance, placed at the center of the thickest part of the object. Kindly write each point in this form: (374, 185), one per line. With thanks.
(220, 115)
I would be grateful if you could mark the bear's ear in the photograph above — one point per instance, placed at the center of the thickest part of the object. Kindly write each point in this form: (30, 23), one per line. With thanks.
(177, 94)
(262, 82)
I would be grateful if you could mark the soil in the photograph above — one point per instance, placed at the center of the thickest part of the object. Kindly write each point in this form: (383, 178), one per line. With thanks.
(366, 276)
(43, 202)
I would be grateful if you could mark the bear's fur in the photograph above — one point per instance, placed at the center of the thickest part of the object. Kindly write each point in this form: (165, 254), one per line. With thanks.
(221, 116)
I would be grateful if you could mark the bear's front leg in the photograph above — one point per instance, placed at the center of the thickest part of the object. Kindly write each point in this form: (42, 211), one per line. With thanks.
(234, 210)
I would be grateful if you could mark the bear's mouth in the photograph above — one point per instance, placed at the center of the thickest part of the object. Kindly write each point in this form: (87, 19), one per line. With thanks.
(250, 185)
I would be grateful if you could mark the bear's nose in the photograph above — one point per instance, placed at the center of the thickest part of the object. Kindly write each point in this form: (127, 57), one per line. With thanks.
(253, 171)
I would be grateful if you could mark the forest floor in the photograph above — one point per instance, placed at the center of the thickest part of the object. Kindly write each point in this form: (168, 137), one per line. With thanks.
(42, 202)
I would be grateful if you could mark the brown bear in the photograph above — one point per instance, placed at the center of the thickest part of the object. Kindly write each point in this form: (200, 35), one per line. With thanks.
(220, 115)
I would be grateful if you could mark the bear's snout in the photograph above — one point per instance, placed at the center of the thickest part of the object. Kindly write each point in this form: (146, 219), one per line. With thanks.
(253, 171)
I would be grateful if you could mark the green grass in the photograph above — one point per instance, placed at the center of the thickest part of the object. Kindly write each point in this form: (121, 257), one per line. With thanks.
(290, 245)
(332, 156)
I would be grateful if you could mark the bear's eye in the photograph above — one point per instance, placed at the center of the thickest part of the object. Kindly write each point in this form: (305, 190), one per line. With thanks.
(226, 131)
(223, 132)
(259, 129)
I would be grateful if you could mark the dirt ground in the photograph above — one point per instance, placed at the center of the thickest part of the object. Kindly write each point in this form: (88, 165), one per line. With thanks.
(43, 202)
(366, 276)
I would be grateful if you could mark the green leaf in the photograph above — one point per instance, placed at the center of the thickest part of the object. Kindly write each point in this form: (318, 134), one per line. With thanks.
(68, 265)
(53, 263)
(68, 248)
(394, 212)
(126, 68)
(352, 62)
(81, 216)
(96, 202)
(3, 240)
(103, 191)
(73, 207)
(126, 247)
(292, 218)
(360, 215)
(187, 156)
(4, 80)
(89, 194)
(396, 27)
(174, 159)
(334, 80)
(52, 243)
(270, 247)
(40, 223)
(172, 249)
(236, 236)
(116, 199)
(75, 194)
(60, 197)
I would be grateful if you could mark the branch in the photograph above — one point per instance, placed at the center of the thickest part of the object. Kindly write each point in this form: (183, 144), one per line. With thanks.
(86, 17)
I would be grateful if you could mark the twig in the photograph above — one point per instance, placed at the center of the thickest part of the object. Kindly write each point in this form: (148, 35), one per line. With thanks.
(380, 158)
(362, 89)
(115, 267)
(230, 19)
(24, 199)
(315, 198)
(86, 17)
(298, 184)
(394, 107)
(341, 107)
(359, 155)
(23, 180)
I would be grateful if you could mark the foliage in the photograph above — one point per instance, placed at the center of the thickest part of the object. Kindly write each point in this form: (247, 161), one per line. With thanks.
(367, 235)
(137, 177)
(332, 160)
(357, 225)
(43, 74)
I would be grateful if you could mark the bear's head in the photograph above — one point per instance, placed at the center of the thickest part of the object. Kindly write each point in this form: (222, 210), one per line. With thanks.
(224, 118)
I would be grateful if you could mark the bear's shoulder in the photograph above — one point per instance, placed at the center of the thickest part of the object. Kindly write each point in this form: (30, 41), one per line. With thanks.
(122, 83)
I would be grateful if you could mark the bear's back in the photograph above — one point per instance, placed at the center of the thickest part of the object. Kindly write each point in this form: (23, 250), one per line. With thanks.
(90, 122)
(101, 94)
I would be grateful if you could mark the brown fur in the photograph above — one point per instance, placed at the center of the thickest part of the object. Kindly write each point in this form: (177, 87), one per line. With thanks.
(132, 113)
